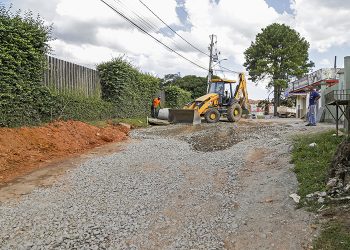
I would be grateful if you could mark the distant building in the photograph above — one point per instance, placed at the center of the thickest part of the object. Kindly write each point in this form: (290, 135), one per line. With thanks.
(324, 81)
(254, 108)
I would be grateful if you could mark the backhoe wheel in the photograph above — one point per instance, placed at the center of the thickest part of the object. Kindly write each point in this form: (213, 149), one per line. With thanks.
(212, 115)
(234, 113)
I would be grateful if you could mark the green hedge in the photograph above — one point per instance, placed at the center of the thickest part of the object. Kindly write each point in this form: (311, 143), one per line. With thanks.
(176, 97)
(23, 100)
(65, 107)
(82, 108)
(130, 90)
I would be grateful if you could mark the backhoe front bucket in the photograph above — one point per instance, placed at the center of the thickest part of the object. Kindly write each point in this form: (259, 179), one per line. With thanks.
(184, 116)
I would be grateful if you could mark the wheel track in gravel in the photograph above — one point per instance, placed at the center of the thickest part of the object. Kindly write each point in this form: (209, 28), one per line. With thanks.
(160, 192)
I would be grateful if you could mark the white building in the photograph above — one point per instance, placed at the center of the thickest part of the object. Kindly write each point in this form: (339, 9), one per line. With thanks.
(324, 81)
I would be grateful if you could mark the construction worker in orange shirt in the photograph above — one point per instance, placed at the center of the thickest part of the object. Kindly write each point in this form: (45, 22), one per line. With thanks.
(155, 107)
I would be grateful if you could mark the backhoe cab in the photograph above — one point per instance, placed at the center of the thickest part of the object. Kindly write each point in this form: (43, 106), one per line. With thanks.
(224, 99)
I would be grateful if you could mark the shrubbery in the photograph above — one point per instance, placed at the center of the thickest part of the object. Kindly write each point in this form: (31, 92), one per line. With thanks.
(23, 100)
(130, 90)
(177, 97)
(82, 108)
(58, 106)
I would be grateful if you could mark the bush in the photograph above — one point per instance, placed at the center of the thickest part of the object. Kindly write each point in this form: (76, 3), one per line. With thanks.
(57, 106)
(82, 108)
(129, 89)
(176, 97)
(23, 100)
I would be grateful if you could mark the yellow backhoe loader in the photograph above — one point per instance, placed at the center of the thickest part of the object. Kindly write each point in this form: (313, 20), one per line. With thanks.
(223, 100)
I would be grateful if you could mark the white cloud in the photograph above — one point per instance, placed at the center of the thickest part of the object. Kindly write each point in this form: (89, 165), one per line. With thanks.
(235, 23)
(88, 32)
(325, 23)
(84, 10)
(78, 53)
(325, 63)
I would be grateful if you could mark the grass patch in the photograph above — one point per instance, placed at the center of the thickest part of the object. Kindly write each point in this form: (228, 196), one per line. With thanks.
(311, 167)
(312, 163)
(335, 235)
(134, 122)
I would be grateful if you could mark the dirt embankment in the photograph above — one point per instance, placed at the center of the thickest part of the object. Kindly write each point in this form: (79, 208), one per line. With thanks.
(25, 149)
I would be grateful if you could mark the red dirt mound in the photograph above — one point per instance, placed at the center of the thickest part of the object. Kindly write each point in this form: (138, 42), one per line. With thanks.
(25, 149)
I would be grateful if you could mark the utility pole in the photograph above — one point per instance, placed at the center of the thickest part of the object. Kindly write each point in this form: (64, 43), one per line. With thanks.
(210, 73)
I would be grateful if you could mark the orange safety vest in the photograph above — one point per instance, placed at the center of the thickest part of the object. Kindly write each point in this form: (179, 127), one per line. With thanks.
(156, 102)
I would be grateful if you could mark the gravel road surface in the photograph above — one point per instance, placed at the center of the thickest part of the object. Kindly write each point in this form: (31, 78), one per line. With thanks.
(221, 186)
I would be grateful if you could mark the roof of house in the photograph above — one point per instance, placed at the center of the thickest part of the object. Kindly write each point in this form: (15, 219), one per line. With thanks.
(327, 76)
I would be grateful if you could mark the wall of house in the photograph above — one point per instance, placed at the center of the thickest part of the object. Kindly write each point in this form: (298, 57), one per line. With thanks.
(254, 109)
(301, 106)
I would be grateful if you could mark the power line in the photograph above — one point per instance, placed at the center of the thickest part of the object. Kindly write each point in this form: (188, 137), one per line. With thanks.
(144, 31)
(143, 22)
(141, 26)
(173, 29)
(148, 24)
(156, 29)
(229, 70)
(223, 72)
(222, 68)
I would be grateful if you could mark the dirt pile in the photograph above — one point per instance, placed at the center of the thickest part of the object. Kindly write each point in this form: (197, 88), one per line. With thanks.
(25, 149)
(339, 175)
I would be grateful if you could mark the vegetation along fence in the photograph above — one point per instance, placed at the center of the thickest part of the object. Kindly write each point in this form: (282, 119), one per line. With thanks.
(66, 77)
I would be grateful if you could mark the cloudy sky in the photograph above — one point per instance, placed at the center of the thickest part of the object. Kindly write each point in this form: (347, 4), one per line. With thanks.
(87, 32)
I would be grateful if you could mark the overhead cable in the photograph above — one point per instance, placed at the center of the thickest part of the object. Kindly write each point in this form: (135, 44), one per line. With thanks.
(156, 39)
(148, 25)
(173, 29)
(229, 70)
(144, 23)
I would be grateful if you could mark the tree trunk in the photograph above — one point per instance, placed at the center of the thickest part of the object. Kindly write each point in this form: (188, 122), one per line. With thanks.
(275, 102)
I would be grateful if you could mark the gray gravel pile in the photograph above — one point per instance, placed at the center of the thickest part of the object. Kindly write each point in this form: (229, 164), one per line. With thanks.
(157, 193)
(215, 137)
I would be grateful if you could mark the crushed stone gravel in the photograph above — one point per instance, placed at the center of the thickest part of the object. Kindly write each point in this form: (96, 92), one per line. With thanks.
(168, 189)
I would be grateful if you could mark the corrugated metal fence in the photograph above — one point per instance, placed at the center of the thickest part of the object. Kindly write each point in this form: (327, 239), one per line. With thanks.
(67, 77)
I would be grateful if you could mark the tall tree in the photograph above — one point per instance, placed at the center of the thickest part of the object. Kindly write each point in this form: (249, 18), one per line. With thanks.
(279, 52)
(195, 84)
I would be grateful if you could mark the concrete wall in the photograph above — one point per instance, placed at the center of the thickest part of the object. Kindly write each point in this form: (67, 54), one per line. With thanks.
(301, 105)
(347, 86)
(302, 102)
